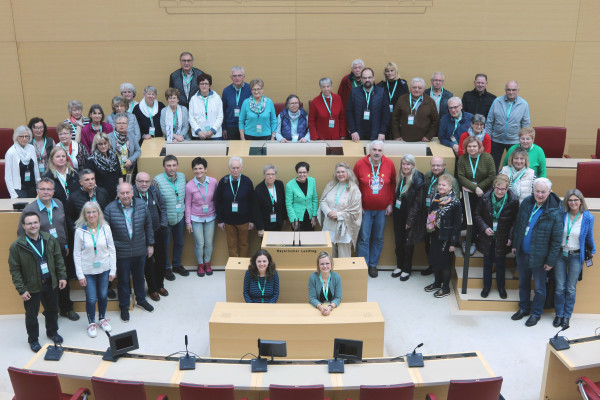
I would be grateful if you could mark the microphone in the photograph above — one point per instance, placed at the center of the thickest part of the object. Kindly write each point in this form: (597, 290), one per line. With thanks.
(294, 234)
(415, 359)
(263, 151)
(560, 342)
(54, 353)
(187, 362)
(299, 242)
(187, 353)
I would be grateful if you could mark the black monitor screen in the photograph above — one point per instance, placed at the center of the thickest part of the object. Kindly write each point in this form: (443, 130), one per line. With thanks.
(272, 348)
(347, 349)
(123, 343)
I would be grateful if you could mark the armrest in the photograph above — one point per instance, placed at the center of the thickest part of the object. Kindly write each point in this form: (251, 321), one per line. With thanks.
(594, 157)
(162, 397)
(80, 392)
(566, 156)
(431, 396)
(592, 386)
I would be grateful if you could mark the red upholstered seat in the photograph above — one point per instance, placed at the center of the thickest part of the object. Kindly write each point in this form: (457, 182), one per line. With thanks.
(313, 392)
(597, 153)
(280, 106)
(52, 133)
(6, 140)
(188, 391)
(475, 389)
(587, 178)
(591, 389)
(3, 190)
(29, 385)
(112, 389)
(391, 392)
(551, 139)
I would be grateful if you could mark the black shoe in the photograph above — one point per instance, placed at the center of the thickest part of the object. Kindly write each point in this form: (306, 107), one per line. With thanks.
(111, 294)
(427, 271)
(181, 271)
(519, 315)
(396, 273)
(124, 315)
(404, 276)
(565, 322)
(558, 321)
(373, 272)
(56, 338)
(35, 346)
(146, 306)
(441, 293)
(485, 292)
(72, 315)
(502, 292)
(432, 287)
(532, 320)
(169, 275)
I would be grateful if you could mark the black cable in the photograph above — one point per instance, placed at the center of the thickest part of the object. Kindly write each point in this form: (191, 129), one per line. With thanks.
(252, 354)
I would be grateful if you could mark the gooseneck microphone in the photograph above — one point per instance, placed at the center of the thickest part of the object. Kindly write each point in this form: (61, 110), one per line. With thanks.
(415, 359)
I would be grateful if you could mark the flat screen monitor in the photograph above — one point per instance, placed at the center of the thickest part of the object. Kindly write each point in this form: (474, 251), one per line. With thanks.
(272, 348)
(123, 343)
(347, 349)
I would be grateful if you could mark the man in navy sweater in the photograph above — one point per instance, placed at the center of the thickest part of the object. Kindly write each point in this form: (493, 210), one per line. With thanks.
(233, 97)
(368, 110)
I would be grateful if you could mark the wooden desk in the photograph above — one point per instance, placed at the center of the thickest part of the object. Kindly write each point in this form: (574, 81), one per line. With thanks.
(562, 172)
(285, 255)
(162, 376)
(293, 282)
(562, 368)
(236, 327)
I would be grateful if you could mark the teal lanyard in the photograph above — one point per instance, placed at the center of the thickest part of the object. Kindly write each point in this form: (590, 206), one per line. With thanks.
(534, 211)
(391, 94)
(42, 254)
(412, 108)
(122, 146)
(64, 182)
(131, 106)
(375, 175)
(205, 184)
(262, 289)
(476, 163)
(330, 105)
(339, 192)
(437, 102)
(205, 99)
(569, 226)
(271, 196)
(368, 96)
(238, 93)
(187, 81)
(49, 211)
(518, 177)
(231, 186)
(69, 152)
(259, 110)
(128, 218)
(94, 240)
(402, 186)
(456, 122)
(430, 186)
(41, 150)
(100, 127)
(175, 120)
(508, 116)
(494, 202)
(353, 82)
(325, 287)
(146, 199)
(173, 185)
(149, 112)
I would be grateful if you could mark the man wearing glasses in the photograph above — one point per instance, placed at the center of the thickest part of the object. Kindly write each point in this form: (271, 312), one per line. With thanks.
(368, 110)
(415, 117)
(507, 116)
(439, 94)
(184, 79)
(454, 124)
(233, 97)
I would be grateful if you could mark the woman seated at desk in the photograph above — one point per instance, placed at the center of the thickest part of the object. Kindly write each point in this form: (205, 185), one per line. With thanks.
(325, 285)
(261, 282)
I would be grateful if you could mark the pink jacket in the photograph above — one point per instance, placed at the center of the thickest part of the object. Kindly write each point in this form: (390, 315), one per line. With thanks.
(194, 200)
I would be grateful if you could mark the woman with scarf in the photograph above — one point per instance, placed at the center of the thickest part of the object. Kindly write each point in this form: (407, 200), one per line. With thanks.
(174, 118)
(476, 129)
(128, 93)
(520, 175)
(76, 120)
(126, 147)
(444, 215)
(537, 157)
(105, 164)
(41, 142)
(66, 179)
(76, 152)
(292, 122)
(147, 113)
(206, 111)
(96, 125)
(119, 106)
(21, 171)
(409, 212)
(258, 120)
(340, 210)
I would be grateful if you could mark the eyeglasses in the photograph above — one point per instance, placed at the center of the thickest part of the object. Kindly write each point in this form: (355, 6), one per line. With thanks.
(204, 84)
(257, 89)
(45, 189)
(143, 182)
(573, 201)
(237, 76)
(500, 189)
(186, 60)
(454, 108)
(511, 90)
(23, 137)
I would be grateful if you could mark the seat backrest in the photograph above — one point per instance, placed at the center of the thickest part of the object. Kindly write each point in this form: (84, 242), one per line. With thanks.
(586, 178)
(3, 189)
(112, 389)
(52, 134)
(476, 389)
(6, 140)
(34, 384)
(188, 391)
(280, 106)
(392, 392)
(551, 139)
(597, 153)
(313, 392)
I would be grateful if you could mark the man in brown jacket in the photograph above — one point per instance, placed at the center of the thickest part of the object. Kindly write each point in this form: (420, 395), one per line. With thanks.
(415, 116)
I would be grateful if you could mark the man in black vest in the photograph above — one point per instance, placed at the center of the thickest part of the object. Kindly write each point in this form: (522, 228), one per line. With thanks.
(184, 79)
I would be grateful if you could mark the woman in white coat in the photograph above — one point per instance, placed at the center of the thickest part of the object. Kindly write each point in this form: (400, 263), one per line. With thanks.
(206, 111)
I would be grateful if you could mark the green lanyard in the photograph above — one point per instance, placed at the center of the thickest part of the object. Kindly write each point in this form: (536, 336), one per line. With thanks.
(330, 105)
(238, 93)
(94, 240)
(173, 185)
(271, 196)
(36, 250)
(123, 146)
(375, 175)
(353, 82)
(231, 185)
(185, 80)
(456, 122)
(437, 102)
(508, 116)
(368, 96)
(476, 163)
(412, 108)
(325, 287)
(41, 150)
(128, 218)
(205, 184)
(69, 152)
(175, 120)
(259, 110)
(518, 177)
(391, 94)
(49, 211)
(146, 199)
(149, 116)
(262, 289)
(64, 182)
(402, 186)
(569, 226)
(339, 192)
(535, 209)
(430, 186)
(205, 99)
(494, 202)
(100, 127)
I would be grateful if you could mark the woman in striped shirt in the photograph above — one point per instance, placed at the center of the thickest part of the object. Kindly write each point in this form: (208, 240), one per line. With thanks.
(261, 283)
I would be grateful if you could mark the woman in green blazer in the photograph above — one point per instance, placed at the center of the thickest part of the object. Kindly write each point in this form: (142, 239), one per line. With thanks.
(301, 199)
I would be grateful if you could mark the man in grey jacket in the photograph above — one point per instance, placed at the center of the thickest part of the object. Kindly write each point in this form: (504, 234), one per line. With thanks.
(131, 225)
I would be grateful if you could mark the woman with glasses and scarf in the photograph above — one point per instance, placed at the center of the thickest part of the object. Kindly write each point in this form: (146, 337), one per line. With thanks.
(125, 145)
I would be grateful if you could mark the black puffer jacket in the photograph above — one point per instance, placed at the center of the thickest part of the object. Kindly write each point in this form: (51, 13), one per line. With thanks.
(483, 219)
(414, 198)
(143, 235)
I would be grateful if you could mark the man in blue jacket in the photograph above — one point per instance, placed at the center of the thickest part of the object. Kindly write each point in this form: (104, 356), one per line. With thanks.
(368, 110)
(454, 124)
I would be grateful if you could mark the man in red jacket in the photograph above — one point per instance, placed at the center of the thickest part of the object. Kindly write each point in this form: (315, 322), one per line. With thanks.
(351, 80)
(376, 177)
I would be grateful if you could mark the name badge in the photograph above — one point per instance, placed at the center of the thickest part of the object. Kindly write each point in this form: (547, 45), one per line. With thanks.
(178, 206)
(367, 115)
(332, 123)
(495, 226)
(52, 231)
(391, 108)
(474, 183)
(236, 112)
(206, 128)
(123, 159)
(398, 203)
(44, 267)
(41, 168)
(27, 176)
(428, 202)
(258, 128)
(565, 253)
(204, 208)
(234, 207)
(454, 140)
(375, 191)
(273, 217)
(97, 264)
(151, 131)
(526, 231)
(411, 120)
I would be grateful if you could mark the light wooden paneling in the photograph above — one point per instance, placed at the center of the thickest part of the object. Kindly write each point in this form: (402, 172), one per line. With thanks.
(7, 30)
(588, 28)
(11, 96)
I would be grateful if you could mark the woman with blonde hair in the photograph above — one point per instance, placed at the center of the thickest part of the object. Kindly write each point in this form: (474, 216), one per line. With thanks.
(325, 285)
(393, 86)
(520, 175)
(66, 179)
(340, 210)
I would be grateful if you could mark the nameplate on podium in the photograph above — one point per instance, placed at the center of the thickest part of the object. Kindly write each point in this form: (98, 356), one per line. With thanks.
(296, 249)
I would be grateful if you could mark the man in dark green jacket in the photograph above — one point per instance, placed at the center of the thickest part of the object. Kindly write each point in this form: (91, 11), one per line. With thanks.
(537, 242)
(37, 269)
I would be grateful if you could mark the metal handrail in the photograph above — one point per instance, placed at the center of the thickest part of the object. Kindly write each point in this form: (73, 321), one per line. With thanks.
(467, 253)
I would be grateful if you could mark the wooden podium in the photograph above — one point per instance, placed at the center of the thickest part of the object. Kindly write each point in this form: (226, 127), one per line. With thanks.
(296, 249)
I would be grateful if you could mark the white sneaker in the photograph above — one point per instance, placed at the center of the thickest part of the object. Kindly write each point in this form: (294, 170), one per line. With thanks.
(91, 330)
(105, 325)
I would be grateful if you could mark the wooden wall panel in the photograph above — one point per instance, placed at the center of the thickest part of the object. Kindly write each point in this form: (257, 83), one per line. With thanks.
(588, 28)
(11, 94)
(7, 30)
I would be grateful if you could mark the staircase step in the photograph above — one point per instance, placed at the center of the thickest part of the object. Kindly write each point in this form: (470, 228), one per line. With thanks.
(472, 300)
(78, 299)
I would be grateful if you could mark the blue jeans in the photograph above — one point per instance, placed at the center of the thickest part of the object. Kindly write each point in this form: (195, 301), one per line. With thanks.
(177, 232)
(134, 267)
(539, 280)
(204, 232)
(96, 290)
(488, 263)
(373, 224)
(566, 281)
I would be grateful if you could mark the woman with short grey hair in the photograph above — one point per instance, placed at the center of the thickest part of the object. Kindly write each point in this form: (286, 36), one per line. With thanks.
(21, 170)
(119, 106)
(326, 116)
(76, 119)
(269, 206)
(128, 92)
(147, 113)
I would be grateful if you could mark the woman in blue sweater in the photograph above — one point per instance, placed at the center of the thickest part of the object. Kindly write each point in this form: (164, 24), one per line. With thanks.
(325, 285)
(258, 120)
(261, 283)
(577, 237)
